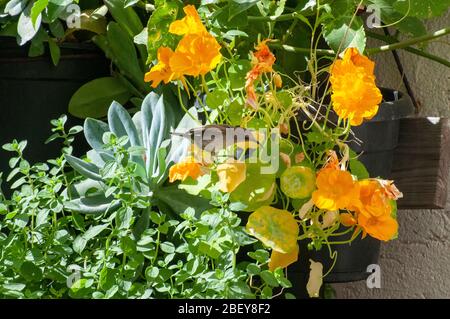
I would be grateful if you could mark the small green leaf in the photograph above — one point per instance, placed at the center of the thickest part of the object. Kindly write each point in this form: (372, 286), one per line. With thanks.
(151, 273)
(38, 7)
(158, 27)
(93, 231)
(269, 278)
(128, 246)
(30, 271)
(261, 256)
(253, 269)
(168, 247)
(55, 51)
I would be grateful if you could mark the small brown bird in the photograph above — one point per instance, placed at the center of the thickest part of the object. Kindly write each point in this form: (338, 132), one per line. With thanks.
(213, 138)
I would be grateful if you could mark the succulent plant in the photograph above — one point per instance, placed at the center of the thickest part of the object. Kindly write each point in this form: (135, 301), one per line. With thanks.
(132, 157)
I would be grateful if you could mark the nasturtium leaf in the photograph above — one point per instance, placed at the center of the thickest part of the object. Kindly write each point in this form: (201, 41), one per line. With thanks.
(266, 292)
(285, 99)
(216, 98)
(128, 246)
(231, 175)
(256, 190)
(358, 169)
(235, 111)
(340, 35)
(275, 228)
(237, 73)
(151, 273)
(210, 249)
(298, 182)
(280, 260)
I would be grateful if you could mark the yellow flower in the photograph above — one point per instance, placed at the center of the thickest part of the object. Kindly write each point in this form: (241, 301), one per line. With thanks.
(162, 71)
(348, 220)
(381, 227)
(336, 189)
(280, 260)
(372, 199)
(231, 175)
(196, 54)
(190, 24)
(355, 95)
(352, 54)
(184, 169)
(374, 211)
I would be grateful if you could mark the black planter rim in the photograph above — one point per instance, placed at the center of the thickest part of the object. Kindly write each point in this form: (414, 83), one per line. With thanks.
(396, 105)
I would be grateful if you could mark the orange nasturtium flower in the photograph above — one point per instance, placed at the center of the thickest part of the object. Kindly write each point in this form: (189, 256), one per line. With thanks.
(190, 24)
(374, 211)
(162, 71)
(250, 79)
(196, 54)
(355, 95)
(262, 62)
(184, 169)
(263, 57)
(336, 189)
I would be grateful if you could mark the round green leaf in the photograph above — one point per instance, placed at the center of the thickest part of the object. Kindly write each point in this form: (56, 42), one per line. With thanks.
(256, 190)
(216, 98)
(298, 182)
(274, 227)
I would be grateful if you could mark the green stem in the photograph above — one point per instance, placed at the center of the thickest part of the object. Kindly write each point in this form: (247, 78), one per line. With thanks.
(409, 42)
(392, 40)
(282, 17)
(385, 48)
(289, 48)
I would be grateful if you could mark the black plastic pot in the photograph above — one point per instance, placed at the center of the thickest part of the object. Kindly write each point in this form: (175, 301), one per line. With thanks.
(378, 140)
(33, 91)
(379, 136)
